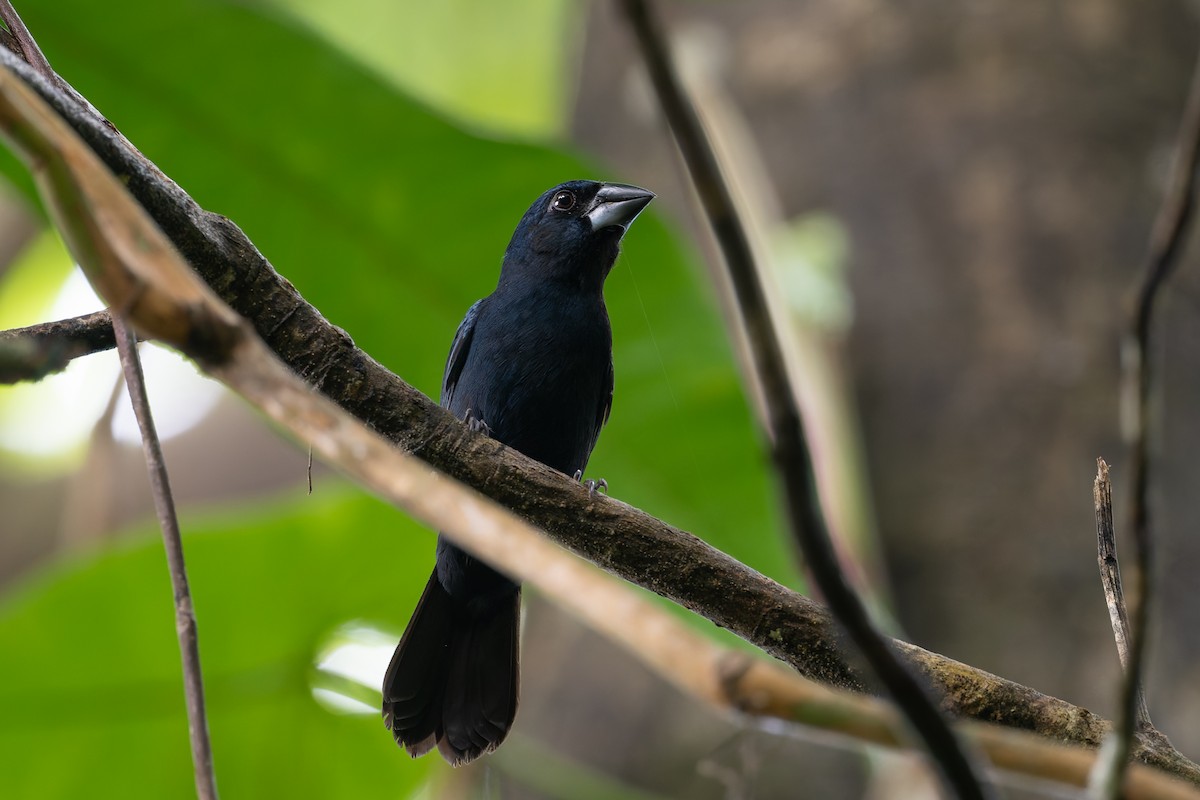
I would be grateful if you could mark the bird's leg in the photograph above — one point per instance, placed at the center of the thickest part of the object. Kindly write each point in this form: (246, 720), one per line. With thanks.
(593, 485)
(476, 424)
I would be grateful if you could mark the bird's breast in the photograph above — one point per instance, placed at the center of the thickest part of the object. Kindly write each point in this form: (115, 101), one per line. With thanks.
(537, 374)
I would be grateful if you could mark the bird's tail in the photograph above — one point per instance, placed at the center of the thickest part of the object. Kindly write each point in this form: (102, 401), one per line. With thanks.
(454, 677)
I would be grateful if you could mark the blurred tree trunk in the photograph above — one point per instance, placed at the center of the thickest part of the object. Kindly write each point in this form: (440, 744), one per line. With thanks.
(997, 167)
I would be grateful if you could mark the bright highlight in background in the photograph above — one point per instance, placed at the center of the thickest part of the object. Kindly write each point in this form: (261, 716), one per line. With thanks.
(180, 397)
(55, 416)
(52, 420)
(358, 653)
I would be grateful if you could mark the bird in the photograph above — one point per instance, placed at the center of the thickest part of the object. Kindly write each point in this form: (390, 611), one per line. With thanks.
(531, 366)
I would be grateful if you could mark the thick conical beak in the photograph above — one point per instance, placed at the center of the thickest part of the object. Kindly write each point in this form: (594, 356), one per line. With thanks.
(616, 205)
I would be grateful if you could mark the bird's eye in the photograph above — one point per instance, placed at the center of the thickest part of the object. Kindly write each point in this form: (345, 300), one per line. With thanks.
(563, 201)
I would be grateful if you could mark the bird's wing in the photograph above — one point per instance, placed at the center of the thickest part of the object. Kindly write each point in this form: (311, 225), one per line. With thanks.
(606, 398)
(458, 353)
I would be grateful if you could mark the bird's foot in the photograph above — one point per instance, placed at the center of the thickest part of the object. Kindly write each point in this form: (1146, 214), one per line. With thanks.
(476, 424)
(593, 486)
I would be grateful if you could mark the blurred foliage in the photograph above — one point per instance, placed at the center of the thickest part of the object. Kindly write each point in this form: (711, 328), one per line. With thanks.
(45, 426)
(91, 685)
(436, 52)
(32, 281)
(392, 221)
(810, 255)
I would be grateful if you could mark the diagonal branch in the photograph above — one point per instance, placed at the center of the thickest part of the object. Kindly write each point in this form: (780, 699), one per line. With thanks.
(724, 679)
(785, 429)
(621, 539)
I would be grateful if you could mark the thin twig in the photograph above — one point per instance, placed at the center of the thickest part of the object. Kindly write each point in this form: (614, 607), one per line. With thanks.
(1110, 577)
(806, 344)
(785, 428)
(621, 539)
(185, 617)
(1166, 238)
(22, 42)
(32, 353)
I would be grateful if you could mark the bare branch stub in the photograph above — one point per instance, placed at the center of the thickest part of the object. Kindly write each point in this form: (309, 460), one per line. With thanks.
(1110, 578)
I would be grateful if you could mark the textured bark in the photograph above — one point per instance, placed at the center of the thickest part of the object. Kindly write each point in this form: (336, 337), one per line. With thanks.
(29, 354)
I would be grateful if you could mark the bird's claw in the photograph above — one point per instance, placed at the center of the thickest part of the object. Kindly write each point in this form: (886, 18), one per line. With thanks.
(476, 424)
(594, 486)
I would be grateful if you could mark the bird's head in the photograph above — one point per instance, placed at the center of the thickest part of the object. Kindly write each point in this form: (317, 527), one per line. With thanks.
(572, 233)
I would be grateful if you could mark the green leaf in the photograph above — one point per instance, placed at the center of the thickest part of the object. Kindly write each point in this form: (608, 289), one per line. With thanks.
(392, 221)
(505, 66)
(91, 682)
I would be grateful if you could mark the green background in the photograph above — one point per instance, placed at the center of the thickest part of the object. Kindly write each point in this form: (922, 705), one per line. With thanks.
(390, 214)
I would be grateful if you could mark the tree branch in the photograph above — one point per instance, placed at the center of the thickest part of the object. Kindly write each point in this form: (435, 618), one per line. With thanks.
(621, 539)
(722, 678)
(785, 429)
(30, 354)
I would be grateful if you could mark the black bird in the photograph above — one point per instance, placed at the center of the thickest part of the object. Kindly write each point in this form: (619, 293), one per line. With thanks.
(531, 365)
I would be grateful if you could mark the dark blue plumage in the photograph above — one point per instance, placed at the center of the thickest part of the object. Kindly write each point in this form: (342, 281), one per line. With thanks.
(532, 365)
